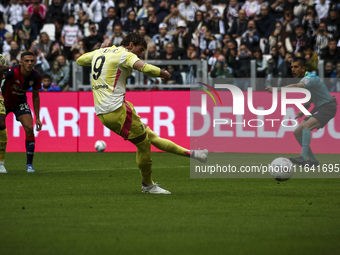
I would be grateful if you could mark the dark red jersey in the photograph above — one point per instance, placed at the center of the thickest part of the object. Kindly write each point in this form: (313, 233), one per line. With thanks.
(15, 86)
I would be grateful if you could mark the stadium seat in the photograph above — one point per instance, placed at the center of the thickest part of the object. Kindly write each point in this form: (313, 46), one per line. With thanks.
(50, 30)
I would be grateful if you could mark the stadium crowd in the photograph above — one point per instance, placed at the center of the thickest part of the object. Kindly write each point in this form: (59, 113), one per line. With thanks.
(228, 34)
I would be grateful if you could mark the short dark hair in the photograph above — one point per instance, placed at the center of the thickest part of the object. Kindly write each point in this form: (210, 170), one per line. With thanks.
(46, 76)
(135, 38)
(27, 53)
(301, 61)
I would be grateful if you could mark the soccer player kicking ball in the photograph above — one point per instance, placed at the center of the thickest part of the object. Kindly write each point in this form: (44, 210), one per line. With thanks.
(18, 80)
(110, 68)
(324, 110)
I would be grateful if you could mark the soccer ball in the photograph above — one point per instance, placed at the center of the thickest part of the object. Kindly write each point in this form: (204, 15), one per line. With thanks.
(281, 169)
(2, 60)
(100, 146)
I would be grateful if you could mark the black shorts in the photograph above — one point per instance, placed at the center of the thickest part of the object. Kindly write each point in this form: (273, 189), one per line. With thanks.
(324, 113)
(19, 110)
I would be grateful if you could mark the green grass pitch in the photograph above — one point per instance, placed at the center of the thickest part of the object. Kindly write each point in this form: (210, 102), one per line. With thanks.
(91, 203)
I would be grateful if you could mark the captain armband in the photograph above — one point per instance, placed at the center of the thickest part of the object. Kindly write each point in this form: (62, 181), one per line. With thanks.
(151, 70)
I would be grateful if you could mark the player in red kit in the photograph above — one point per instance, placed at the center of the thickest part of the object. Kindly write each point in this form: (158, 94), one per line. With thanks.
(18, 80)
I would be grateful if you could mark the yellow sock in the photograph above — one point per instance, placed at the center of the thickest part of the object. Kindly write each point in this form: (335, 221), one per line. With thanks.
(3, 143)
(144, 162)
(165, 144)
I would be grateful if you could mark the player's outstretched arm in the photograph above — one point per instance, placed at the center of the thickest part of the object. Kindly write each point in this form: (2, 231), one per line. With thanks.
(36, 106)
(152, 70)
(86, 58)
(296, 85)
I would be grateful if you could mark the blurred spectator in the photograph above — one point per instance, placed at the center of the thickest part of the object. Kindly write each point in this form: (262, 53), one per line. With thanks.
(23, 40)
(207, 7)
(188, 9)
(72, 7)
(59, 24)
(70, 35)
(14, 52)
(239, 25)
(333, 22)
(289, 22)
(118, 34)
(329, 75)
(321, 39)
(3, 31)
(250, 7)
(276, 35)
(230, 13)
(78, 48)
(55, 11)
(45, 43)
(231, 55)
(176, 77)
(123, 8)
(190, 70)
(162, 38)
(321, 8)
(38, 12)
(298, 40)
(278, 7)
(83, 21)
(251, 37)
(143, 11)
(191, 53)
(300, 9)
(310, 22)
(162, 10)
(131, 24)
(151, 52)
(47, 84)
(195, 26)
(264, 22)
(226, 38)
(94, 40)
(221, 69)
(100, 8)
(207, 43)
(242, 72)
(15, 13)
(54, 52)
(216, 25)
(311, 58)
(169, 52)
(57, 75)
(65, 66)
(261, 63)
(29, 28)
(173, 18)
(142, 31)
(106, 25)
(336, 84)
(331, 52)
(6, 44)
(41, 64)
(151, 22)
(181, 37)
(272, 63)
(285, 69)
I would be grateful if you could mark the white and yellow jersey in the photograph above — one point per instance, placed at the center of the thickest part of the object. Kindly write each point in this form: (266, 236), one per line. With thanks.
(110, 68)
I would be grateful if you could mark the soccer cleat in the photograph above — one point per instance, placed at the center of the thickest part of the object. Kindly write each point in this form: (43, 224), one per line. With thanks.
(154, 189)
(29, 168)
(312, 163)
(2, 168)
(200, 155)
(300, 161)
